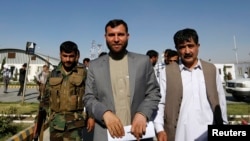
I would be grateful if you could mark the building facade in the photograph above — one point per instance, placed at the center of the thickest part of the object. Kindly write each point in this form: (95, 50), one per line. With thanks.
(15, 58)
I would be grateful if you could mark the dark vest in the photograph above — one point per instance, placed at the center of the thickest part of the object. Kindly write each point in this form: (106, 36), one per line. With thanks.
(174, 96)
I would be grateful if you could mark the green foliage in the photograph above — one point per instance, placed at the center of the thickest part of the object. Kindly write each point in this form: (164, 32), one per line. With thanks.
(1, 69)
(6, 127)
(15, 75)
(3, 63)
(12, 110)
(238, 109)
(225, 73)
(17, 108)
(10, 129)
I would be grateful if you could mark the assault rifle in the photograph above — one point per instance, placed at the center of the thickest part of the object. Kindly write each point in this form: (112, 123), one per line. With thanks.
(39, 125)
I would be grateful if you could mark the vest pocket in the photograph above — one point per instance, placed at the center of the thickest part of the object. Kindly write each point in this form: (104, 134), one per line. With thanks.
(55, 85)
(73, 102)
(75, 98)
(76, 79)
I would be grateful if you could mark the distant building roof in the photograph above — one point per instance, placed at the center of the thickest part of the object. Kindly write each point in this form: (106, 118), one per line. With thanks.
(19, 56)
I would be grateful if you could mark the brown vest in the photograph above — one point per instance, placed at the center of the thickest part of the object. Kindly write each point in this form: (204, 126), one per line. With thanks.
(66, 92)
(174, 96)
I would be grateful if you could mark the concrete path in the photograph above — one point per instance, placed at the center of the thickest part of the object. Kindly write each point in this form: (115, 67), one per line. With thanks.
(31, 95)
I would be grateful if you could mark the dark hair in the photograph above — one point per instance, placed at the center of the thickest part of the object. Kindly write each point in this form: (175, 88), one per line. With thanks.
(152, 53)
(86, 59)
(185, 35)
(167, 51)
(68, 47)
(116, 22)
(25, 65)
(172, 53)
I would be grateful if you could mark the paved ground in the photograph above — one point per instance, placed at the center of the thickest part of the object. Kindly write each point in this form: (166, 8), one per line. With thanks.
(30, 95)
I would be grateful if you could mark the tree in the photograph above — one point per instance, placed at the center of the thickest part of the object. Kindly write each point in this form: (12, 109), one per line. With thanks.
(225, 73)
(3, 63)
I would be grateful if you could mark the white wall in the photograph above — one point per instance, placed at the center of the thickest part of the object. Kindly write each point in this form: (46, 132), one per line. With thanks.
(33, 69)
(237, 70)
(229, 68)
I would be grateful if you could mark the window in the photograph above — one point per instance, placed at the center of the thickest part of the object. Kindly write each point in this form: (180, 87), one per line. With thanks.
(33, 57)
(220, 71)
(11, 55)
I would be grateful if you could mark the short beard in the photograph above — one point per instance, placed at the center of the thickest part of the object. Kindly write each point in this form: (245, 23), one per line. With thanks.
(117, 55)
(68, 69)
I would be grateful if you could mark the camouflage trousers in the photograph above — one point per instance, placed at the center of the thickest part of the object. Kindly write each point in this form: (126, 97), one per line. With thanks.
(70, 135)
(66, 128)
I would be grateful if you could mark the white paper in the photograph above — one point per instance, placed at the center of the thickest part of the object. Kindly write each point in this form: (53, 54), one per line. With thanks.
(150, 133)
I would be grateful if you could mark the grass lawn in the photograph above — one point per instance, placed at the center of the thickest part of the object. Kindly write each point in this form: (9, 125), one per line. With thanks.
(32, 108)
(238, 109)
(18, 108)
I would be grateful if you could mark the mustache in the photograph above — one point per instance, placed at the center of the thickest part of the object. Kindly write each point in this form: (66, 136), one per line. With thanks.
(68, 62)
(116, 44)
(188, 55)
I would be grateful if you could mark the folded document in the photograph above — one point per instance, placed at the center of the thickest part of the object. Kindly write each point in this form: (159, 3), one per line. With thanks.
(150, 133)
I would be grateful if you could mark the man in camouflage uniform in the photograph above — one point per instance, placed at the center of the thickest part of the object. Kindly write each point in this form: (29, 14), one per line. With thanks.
(63, 98)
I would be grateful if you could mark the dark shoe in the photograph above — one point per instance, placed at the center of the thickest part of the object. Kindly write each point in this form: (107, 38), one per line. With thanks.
(18, 94)
(39, 98)
(5, 92)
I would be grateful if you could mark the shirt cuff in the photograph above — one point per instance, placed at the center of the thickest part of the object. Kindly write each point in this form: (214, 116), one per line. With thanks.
(158, 127)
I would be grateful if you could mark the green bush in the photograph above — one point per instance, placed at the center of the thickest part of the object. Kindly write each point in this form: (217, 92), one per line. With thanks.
(6, 127)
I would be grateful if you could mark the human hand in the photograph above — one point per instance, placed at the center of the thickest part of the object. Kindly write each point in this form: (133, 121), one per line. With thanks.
(138, 127)
(162, 136)
(90, 124)
(113, 124)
